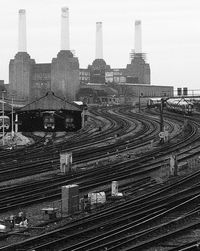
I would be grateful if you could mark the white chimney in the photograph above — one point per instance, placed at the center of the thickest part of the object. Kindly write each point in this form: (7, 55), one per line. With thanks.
(65, 29)
(138, 37)
(99, 41)
(22, 31)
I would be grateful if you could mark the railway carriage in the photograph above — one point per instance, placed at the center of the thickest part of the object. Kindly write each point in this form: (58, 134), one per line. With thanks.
(180, 106)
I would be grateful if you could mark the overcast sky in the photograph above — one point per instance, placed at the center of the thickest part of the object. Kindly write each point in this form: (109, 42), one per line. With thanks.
(170, 34)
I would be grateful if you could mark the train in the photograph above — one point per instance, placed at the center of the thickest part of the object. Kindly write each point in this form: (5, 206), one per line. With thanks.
(49, 122)
(180, 105)
(69, 122)
(154, 102)
(4, 121)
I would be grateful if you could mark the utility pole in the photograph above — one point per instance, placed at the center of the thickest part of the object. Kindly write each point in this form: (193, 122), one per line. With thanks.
(161, 115)
(140, 95)
(161, 119)
(139, 103)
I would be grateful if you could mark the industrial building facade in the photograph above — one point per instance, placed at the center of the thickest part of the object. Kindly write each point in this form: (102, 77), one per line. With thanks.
(122, 93)
(137, 72)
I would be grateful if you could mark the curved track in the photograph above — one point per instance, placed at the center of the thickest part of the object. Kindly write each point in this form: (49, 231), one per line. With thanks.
(154, 204)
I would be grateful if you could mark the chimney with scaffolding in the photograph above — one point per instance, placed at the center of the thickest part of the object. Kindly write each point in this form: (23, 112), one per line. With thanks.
(138, 71)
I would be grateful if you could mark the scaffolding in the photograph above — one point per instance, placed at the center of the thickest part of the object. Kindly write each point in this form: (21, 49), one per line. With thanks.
(137, 55)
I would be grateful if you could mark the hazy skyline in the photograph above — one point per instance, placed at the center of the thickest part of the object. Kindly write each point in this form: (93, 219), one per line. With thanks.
(170, 34)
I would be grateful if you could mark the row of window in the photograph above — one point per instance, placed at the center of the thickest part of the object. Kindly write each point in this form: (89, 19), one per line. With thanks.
(84, 73)
(107, 73)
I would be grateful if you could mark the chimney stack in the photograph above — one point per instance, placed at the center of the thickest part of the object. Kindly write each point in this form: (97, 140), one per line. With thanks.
(22, 31)
(138, 37)
(65, 29)
(99, 41)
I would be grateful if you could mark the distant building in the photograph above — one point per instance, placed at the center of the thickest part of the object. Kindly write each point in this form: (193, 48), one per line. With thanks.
(98, 94)
(137, 72)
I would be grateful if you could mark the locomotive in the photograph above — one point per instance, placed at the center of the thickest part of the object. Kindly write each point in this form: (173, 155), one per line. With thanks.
(69, 122)
(6, 121)
(49, 122)
(154, 102)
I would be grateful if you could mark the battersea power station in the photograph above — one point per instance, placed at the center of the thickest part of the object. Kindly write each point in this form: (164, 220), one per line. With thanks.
(29, 80)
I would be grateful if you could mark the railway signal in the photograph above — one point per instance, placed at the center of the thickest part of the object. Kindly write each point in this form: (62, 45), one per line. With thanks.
(140, 96)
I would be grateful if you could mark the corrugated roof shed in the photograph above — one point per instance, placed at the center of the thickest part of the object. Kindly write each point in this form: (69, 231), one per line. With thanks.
(50, 102)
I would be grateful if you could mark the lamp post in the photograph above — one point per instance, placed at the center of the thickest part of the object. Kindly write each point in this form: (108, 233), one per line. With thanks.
(12, 122)
(3, 115)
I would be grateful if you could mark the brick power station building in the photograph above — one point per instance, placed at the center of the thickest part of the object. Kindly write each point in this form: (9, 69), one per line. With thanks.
(29, 81)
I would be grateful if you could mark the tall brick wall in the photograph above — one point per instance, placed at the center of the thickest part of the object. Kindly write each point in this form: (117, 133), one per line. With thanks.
(40, 81)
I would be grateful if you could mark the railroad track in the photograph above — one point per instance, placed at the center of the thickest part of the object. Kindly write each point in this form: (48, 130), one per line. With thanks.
(125, 169)
(105, 175)
(40, 162)
(131, 220)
